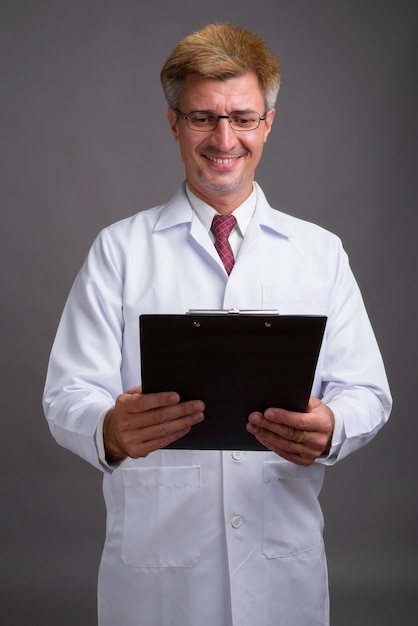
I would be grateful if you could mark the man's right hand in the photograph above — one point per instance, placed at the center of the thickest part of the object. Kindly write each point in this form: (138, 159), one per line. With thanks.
(141, 423)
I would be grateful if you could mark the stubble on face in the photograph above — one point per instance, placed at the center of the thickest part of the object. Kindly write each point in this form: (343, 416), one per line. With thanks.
(219, 185)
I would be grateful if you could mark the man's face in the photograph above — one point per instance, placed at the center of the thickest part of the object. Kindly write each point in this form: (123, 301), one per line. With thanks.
(220, 164)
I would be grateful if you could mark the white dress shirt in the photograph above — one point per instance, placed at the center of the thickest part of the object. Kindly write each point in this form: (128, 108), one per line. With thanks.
(242, 214)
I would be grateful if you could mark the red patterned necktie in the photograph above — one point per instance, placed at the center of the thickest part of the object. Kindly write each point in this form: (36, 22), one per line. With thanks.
(221, 227)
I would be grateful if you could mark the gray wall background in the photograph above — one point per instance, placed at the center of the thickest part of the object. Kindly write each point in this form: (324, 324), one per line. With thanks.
(84, 142)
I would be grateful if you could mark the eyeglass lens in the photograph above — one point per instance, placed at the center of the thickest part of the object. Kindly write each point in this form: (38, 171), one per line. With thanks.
(206, 120)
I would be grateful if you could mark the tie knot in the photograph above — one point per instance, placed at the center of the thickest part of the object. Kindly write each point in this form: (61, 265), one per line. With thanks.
(223, 224)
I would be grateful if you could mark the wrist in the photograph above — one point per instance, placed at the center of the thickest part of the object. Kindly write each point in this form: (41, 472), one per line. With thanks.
(113, 451)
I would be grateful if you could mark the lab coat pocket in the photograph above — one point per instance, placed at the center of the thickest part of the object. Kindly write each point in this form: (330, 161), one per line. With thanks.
(162, 522)
(292, 520)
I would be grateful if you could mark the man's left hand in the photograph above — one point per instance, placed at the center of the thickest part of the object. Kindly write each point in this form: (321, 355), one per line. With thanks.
(297, 437)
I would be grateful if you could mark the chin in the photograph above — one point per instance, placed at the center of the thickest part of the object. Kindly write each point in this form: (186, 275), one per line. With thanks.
(219, 184)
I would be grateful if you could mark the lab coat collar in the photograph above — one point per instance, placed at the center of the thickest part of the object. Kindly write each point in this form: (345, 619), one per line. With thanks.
(272, 219)
(179, 211)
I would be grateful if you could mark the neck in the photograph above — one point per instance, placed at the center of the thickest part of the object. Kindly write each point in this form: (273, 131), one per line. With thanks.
(224, 202)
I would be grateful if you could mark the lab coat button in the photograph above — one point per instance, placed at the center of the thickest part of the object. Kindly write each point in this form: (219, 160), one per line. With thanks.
(236, 521)
(237, 455)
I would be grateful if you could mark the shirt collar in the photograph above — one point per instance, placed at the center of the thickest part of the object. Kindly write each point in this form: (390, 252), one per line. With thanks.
(206, 213)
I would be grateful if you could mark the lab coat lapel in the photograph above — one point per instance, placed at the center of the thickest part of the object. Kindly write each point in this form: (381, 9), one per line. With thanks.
(179, 211)
(265, 218)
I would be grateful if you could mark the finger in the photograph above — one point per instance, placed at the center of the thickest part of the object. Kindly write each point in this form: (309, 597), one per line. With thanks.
(298, 459)
(283, 430)
(171, 430)
(166, 414)
(161, 434)
(293, 419)
(302, 437)
(296, 453)
(148, 401)
(152, 445)
(133, 401)
(313, 404)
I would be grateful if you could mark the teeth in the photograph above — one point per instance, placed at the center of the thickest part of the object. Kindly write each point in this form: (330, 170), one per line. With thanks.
(220, 161)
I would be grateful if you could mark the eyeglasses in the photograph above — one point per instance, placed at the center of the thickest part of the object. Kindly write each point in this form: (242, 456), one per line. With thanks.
(205, 121)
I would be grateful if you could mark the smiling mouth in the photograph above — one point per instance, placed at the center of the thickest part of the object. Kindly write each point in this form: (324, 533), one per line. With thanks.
(220, 161)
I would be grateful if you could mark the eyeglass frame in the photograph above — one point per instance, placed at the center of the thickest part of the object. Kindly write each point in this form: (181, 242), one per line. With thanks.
(183, 116)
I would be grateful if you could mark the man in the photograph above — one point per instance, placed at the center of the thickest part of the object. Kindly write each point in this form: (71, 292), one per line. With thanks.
(197, 538)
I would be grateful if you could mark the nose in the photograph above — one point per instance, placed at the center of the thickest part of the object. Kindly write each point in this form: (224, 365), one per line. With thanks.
(223, 135)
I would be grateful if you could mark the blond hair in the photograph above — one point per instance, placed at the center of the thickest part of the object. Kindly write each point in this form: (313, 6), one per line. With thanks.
(220, 51)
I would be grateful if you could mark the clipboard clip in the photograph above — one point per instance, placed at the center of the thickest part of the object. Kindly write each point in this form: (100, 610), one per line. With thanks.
(232, 312)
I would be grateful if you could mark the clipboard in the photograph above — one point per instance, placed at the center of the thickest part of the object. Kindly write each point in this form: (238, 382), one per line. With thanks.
(236, 362)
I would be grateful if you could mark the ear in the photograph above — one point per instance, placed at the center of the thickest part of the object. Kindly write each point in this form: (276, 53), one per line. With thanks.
(173, 121)
(268, 123)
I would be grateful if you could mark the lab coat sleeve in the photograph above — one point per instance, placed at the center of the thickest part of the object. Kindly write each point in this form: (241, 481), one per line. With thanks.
(354, 382)
(83, 378)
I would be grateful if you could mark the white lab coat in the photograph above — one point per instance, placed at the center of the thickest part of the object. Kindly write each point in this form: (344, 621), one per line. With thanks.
(204, 538)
